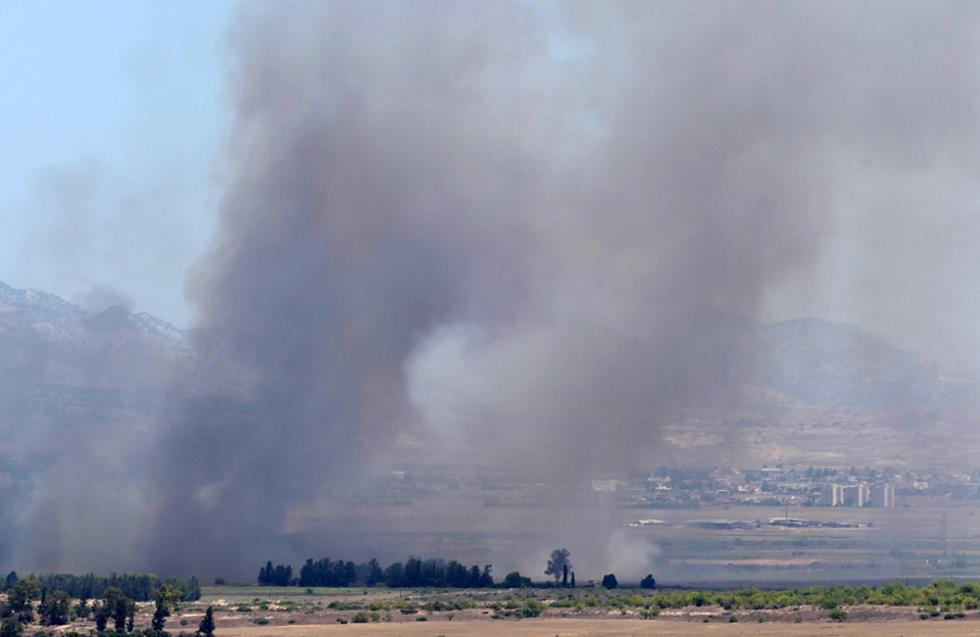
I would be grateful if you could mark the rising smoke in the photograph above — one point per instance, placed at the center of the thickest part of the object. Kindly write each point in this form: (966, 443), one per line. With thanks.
(508, 230)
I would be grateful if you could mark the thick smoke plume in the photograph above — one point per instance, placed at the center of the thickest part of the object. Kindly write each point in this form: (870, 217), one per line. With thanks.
(506, 231)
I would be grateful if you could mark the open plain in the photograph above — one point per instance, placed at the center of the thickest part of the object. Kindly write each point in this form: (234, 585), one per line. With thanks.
(250, 611)
(620, 628)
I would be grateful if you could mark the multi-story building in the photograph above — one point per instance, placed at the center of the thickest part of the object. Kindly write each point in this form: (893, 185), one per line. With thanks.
(883, 495)
(832, 495)
(848, 495)
(856, 495)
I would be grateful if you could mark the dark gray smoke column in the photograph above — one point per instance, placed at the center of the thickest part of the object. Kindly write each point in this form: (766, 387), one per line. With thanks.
(385, 166)
(509, 223)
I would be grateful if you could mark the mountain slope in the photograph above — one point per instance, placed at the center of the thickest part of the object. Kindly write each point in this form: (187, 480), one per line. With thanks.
(50, 348)
(823, 363)
(46, 340)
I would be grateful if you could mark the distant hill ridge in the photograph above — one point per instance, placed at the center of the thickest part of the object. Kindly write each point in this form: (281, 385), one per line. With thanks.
(49, 341)
(45, 340)
(35, 307)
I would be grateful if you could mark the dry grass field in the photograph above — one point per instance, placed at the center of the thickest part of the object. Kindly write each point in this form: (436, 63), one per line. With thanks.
(294, 612)
(616, 628)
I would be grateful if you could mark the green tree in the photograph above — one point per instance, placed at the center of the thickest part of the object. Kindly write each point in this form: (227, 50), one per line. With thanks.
(159, 621)
(21, 598)
(119, 607)
(557, 563)
(56, 608)
(102, 614)
(11, 627)
(166, 599)
(516, 580)
(374, 573)
(609, 581)
(648, 581)
(206, 626)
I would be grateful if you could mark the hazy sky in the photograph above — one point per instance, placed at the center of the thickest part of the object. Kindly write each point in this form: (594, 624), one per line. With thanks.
(114, 113)
(109, 122)
(455, 226)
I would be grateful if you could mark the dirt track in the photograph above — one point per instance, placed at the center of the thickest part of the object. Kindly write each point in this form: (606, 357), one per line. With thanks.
(617, 628)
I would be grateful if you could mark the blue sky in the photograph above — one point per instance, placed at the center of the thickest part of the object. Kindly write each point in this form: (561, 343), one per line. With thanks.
(111, 113)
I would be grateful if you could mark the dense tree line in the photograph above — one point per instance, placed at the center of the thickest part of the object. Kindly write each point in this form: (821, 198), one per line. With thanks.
(326, 573)
(439, 573)
(113, 605)
(279, 575)
(414, 572)
(138, 586)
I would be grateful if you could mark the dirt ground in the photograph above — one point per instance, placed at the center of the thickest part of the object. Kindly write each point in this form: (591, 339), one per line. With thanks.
(615, 628)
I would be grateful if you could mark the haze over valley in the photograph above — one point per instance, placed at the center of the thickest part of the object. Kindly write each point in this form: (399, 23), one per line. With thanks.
(389, 311)
(810, 393)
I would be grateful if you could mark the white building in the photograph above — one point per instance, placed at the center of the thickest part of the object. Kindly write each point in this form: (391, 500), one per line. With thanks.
(847, 495)
(883, 495)
(857, 495)
(832, 495)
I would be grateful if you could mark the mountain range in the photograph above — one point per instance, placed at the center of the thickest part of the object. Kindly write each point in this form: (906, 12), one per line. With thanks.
(59, 362)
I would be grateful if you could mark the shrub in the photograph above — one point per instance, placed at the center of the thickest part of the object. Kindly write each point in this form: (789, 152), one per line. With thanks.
(360, 617)
(532, 608)
(838, 615)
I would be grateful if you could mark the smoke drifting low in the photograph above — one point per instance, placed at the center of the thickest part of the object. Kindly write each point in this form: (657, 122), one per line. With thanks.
(507, 230)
